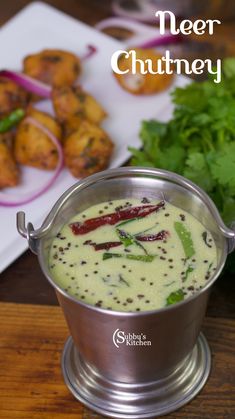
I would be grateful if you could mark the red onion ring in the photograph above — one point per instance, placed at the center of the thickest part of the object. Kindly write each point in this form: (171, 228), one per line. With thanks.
(142, 11)
(91, 50)
(13, 200)
(124, 23)
(36, 86)
(159, 41)
(140, 29)
(28, 83)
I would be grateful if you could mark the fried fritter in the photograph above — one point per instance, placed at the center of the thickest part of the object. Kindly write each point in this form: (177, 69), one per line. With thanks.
(9, 173)
(32, 146)
(73, 101)
(142, 84)
(72, 124)
(11, 97)
(87, 150)
(52, 66)
(7, 138)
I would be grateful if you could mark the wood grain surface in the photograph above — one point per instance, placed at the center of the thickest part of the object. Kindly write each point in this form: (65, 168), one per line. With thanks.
(31, 383)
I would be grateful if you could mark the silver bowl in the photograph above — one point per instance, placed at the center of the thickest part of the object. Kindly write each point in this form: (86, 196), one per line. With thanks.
(133, 364)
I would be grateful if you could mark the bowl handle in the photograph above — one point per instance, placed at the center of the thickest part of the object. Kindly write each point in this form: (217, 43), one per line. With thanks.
(28, 231)
(230, 234)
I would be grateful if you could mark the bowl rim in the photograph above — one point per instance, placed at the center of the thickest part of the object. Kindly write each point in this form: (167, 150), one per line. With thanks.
(123, 172)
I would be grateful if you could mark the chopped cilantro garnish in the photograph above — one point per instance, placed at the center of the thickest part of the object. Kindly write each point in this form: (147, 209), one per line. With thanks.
(175, 297)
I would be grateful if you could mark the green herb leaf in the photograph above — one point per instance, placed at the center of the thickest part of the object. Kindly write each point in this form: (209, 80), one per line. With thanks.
(229, 67)
(223, 167)
(175, 297)
(169, 284)
(228, 212)
(188, 271)
(123, 281)
(197, 170)
(128, 221)
(127, 239)
(199, 141)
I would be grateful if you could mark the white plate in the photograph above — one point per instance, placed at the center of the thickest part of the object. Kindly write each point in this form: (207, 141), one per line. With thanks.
(40, 26)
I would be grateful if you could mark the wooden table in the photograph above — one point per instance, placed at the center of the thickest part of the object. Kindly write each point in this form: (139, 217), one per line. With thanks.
(33, 330)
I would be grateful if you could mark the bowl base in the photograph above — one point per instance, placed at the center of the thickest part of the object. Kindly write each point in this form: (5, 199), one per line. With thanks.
(133, 401)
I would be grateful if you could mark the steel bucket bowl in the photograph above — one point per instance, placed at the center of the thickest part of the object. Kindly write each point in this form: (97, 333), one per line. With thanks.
(133, 364)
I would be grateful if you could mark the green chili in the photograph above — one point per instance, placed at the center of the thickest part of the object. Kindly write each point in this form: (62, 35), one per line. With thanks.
(11, 120)
(143, 258)
(185, 238)
(107, 255)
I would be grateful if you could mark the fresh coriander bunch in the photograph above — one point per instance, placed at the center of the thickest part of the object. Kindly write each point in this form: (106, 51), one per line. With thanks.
(199, 141)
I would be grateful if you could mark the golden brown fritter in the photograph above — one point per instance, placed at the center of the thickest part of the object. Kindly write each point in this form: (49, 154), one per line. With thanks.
(73, 101)
(32, 146)
(11, 97)
(53, 66)
(142, 84)
(87, 150)
(9, 173)
(7, 138)
(72, 124)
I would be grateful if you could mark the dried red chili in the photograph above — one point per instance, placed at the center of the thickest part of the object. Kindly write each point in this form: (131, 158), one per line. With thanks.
(113, 218)
(103, 246)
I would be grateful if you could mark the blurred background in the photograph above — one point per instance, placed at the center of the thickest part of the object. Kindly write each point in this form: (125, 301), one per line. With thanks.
(220, 45)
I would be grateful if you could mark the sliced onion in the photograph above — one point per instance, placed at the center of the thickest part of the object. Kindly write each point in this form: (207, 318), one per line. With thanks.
(142, 12)
(28, 83)
(140, 29)
(13, 200)
(36, 86)
(128, 24)
(91, 50)
(161, 40)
